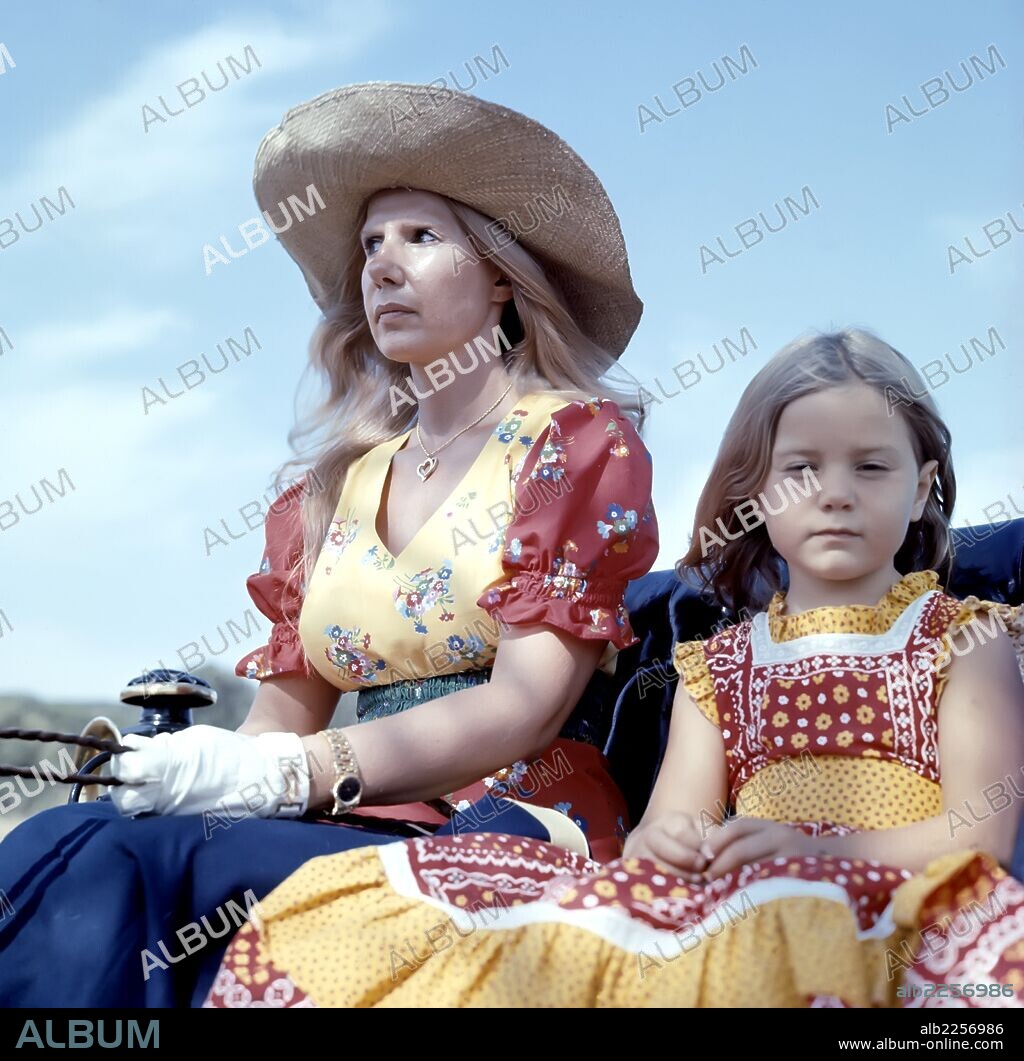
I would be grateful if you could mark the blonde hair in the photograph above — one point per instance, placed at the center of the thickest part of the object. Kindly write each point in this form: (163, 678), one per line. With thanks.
(805, 366)
(548, 352)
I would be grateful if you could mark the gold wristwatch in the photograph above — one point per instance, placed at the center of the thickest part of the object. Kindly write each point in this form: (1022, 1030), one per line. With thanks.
(347, 787)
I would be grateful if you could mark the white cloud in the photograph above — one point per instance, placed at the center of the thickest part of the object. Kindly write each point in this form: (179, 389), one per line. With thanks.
(107, 162)
(109, 449)
(114, 331)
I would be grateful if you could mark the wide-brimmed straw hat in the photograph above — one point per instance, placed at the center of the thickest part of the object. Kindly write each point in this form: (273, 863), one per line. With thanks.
(356, 140)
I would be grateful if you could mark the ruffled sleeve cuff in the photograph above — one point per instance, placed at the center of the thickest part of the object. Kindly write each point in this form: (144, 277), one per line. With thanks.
(1008, 616)
(578, 606)
(283, 654)
(690, 662)
(274, 591)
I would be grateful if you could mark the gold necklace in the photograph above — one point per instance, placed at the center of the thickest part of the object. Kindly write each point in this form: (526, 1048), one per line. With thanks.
(426, 469)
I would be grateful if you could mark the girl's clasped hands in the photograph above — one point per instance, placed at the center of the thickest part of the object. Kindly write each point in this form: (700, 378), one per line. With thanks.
(702, 851)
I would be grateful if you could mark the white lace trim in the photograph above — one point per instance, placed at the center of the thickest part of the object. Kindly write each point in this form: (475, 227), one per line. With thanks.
(766, 651)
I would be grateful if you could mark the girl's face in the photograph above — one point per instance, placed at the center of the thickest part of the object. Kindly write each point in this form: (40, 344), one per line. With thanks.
(871, 488)
(418, 257)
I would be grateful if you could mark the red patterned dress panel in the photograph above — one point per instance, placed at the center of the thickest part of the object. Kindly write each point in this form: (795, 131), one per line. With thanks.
(862, 695)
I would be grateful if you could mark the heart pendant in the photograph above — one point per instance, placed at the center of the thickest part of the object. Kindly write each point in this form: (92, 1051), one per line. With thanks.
(425, 469)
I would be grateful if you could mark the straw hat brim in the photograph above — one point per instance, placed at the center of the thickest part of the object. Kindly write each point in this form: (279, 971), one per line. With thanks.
(356, 140)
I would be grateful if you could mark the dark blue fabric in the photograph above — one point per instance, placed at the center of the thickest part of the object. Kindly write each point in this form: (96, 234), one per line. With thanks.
(91, 890)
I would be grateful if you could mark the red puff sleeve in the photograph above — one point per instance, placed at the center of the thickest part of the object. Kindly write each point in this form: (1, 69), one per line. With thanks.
(274, 591)
(584, 526)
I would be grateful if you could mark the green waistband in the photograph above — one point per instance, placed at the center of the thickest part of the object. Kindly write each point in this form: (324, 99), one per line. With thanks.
(381, 700)
(590, 721)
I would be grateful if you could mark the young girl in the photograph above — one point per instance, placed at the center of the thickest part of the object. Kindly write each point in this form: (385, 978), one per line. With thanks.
(854, 730)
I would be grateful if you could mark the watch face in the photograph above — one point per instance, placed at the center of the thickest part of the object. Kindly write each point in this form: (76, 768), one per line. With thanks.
(348, 788)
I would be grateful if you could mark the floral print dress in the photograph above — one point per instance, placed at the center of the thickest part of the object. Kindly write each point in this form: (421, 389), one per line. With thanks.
(548, 525)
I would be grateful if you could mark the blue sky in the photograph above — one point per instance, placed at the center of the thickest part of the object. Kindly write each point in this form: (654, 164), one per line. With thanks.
(107, 297)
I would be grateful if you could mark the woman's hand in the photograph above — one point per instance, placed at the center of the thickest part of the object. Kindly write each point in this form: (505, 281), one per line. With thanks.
(673, 839)
(744, 840)
(207, 768)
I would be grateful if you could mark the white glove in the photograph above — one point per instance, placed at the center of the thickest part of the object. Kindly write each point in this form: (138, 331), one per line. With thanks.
(207, 768)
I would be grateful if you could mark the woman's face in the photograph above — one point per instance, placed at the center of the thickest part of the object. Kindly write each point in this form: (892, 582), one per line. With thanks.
(870, 484)
(417, 257)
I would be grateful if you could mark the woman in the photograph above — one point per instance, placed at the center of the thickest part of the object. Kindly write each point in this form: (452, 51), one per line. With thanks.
(478, 511)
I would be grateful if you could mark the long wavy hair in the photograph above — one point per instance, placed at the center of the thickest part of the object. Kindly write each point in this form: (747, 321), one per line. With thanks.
(547, 351)
(744, 572)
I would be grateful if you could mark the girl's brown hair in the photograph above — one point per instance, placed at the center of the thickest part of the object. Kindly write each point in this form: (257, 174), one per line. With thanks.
(548, 352)
(744, 571)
